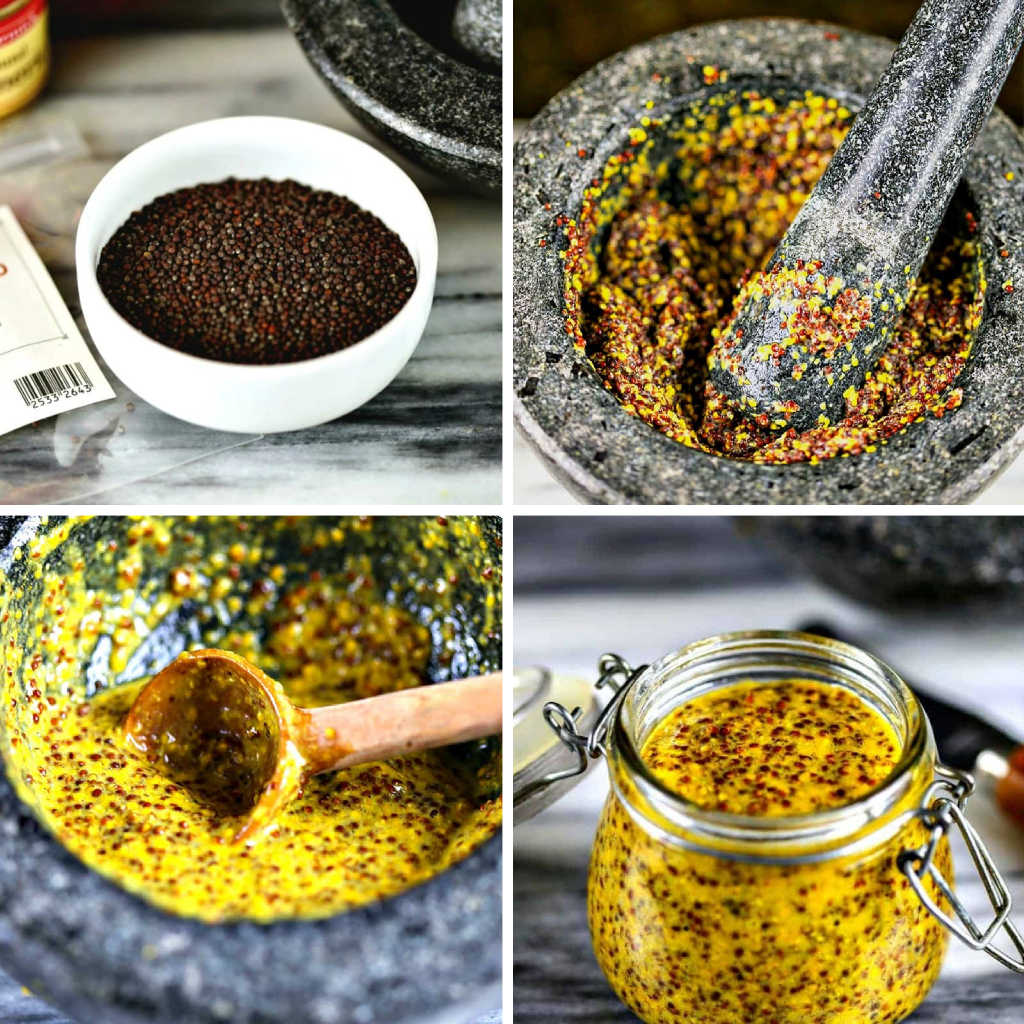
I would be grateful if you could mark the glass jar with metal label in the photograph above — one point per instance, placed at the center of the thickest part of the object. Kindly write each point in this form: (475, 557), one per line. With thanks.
(758, 859)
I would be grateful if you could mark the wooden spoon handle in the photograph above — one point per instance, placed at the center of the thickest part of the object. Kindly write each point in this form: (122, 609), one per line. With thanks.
(381, 727)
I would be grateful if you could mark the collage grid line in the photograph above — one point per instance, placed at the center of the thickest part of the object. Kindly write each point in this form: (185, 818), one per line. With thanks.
(554, 551)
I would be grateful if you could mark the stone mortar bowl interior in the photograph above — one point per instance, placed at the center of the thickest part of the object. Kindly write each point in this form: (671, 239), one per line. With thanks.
(398, 68)
(85, 945)
(603, 454)
(907, 563)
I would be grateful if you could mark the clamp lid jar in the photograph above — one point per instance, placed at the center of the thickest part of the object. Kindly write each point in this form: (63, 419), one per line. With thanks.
(836, 916)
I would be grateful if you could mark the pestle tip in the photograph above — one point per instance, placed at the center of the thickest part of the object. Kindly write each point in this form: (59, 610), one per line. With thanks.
(800, 338)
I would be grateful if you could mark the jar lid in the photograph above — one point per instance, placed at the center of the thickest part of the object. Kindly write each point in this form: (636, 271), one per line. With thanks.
(538, 753)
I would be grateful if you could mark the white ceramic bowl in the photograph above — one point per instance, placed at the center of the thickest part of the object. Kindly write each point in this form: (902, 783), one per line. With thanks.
(231, 396)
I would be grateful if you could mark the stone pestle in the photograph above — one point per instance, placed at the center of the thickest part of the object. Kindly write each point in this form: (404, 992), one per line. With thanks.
(810, 326)
(477, 27)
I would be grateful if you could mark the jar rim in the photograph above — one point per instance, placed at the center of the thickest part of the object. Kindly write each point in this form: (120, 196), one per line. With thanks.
(825, 831)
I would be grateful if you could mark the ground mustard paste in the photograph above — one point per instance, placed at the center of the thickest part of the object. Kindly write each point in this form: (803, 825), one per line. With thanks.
(350, 838)
(662, 248)
(690, 937)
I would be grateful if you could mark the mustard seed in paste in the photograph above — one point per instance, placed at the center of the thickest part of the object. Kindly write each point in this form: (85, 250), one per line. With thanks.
(772, 751)
(688, 936)
(663, 251)
(350, 838)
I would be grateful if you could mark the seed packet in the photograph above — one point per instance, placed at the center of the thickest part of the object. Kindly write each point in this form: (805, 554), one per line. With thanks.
(45, 365)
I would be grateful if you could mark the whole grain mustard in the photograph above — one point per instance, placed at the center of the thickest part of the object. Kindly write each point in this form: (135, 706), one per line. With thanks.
(676, 232)
(707, 938)
(350, 838)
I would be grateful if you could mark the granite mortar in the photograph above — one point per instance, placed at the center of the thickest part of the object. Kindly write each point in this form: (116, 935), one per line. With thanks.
(604, 455)
(914, 565)
(477, 27)
(98, 953)
(437, 109)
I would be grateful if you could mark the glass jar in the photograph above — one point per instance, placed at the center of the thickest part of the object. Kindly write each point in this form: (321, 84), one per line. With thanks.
(836, 917)
(24, 52)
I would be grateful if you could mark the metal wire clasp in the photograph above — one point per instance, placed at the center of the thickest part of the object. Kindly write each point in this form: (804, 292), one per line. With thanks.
(941, 809)
(614, 672)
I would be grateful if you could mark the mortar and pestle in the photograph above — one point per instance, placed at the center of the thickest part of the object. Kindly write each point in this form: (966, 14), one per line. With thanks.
(97, 952)
(908, 565)
(425, 77)
(871, 218)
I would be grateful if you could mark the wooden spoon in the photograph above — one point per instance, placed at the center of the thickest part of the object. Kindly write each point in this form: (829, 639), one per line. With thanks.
(217, 724)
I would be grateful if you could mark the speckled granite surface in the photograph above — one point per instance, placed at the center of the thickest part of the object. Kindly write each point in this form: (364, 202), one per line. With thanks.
(478, 27)
(86, 946)
(436, 108)
(923, 562)
(19, 1006)
(604, 455)
(871, 219)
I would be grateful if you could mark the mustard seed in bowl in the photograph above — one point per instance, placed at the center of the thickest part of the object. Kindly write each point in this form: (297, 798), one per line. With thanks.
(256, 271)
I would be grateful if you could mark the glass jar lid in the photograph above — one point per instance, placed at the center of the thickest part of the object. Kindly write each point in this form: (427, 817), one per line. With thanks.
(544, 767)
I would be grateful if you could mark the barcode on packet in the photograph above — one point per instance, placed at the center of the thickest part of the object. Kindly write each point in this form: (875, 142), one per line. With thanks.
(48, 386)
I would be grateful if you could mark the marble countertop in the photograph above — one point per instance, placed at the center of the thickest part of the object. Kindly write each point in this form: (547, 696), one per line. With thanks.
(433, 436)
(670, 603)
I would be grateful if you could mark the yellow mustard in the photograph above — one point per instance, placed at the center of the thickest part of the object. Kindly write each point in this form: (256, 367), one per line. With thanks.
(694, 935)
(350, 837)
(24, 53)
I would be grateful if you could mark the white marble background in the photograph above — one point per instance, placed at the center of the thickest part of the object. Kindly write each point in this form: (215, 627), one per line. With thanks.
(433, 436)
(974, 661)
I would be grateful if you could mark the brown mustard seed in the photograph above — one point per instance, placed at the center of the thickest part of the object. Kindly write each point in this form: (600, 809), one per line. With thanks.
(771, 750)
(256, 271)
